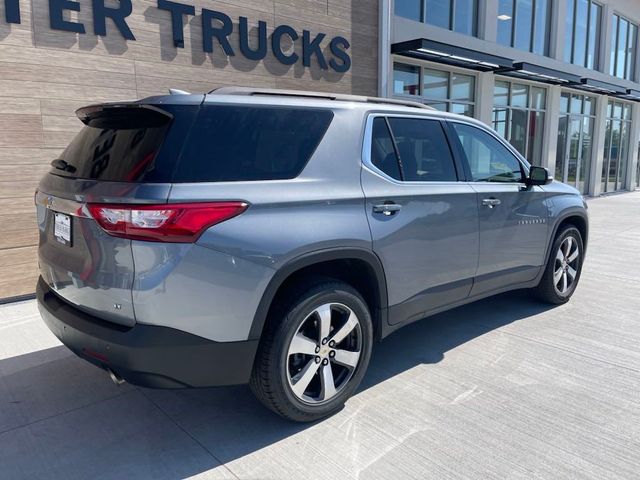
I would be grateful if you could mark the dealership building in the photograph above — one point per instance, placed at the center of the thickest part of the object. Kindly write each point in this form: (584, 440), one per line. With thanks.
(558, 78)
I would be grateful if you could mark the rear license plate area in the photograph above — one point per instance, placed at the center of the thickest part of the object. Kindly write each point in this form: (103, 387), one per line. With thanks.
(62, 225)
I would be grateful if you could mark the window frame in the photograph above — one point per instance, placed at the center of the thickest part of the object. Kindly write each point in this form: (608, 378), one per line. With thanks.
(532, 31)
(616, 19)
(462, 157)
(368, 137)
(597, 61)
(420, 97)
(452, 17)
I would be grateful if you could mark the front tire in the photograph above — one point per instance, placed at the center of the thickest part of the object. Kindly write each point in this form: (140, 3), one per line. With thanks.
(314, 352)
(564, 267)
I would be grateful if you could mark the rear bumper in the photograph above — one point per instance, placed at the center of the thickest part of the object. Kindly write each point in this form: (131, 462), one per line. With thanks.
(145, 355)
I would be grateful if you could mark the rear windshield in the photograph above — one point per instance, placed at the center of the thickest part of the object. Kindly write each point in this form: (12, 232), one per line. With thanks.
(118, 145)
(231, 143)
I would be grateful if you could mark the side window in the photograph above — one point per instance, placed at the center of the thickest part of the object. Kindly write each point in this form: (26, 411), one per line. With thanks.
(383, 155)
(488, 159)
(424, 151)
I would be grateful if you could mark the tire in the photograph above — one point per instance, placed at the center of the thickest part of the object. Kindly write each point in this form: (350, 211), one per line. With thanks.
(550, 289)
(284, 365)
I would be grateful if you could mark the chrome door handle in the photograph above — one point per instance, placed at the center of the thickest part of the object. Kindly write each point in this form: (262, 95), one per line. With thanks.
(491, 202)
(387, 209)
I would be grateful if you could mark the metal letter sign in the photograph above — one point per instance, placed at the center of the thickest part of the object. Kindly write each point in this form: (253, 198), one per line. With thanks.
(215, 26)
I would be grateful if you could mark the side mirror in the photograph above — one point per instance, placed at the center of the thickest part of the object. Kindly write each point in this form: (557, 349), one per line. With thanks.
(538, 176)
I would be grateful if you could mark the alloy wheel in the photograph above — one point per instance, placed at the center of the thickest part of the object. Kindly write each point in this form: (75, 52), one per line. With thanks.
(565, 268)
(324, 353)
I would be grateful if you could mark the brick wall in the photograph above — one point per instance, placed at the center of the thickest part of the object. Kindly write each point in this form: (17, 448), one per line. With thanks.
(46, 74)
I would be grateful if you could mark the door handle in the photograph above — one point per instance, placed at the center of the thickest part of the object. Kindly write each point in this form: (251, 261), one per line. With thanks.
(491, 202)
(387, 209)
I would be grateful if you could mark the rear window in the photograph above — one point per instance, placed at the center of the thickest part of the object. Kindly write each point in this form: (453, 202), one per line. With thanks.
(235, 143)
(120, 144)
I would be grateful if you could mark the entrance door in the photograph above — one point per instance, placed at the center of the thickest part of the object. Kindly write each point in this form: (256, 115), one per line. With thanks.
(574, 151)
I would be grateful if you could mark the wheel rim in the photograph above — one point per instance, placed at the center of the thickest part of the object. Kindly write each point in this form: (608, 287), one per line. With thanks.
(565, 267)
(324, 353)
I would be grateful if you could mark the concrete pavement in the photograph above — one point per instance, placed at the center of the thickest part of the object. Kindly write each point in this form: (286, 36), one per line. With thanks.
(504, 388)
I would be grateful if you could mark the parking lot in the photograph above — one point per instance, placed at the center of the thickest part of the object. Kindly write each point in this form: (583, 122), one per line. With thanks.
(504, 388)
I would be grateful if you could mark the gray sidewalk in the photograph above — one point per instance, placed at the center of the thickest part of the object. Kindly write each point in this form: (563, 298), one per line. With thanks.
(505, 388)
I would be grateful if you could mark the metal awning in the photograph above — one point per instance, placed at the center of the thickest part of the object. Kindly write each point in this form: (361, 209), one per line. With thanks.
(597, 86)
(530, 71)
(439, 52)
(630, 94)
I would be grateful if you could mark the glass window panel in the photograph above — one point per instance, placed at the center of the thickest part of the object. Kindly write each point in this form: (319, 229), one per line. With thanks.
(623, 28)
(568, 31)
(580, 39)
(409, 9)
(424, 150)
(626, 111)
(631, 52)
(462, 87)
(505, 21)
(406, 79)
(607, 155)
(564, 102)
(576, 103)
(518, 130)
(464, 16)
(574, 148)
(436, 84)
(488, 159)
(519, 95)
(621, 174)
(561, 147)
(540, 27)
(383, 154)
(501, 93)
(617, 110)
(535, 134)
(609, 108)
(589, 106)
(500, 121)
(616, 129)
(438, 12)
(614, 42)
(462, 109)
(594, 36)
(438, 106)
(538, 98)
(524, 17)
(585, 156)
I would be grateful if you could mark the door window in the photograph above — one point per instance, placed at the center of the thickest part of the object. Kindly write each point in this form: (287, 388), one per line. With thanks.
(383, 155)
(423, 149)
(488, 159)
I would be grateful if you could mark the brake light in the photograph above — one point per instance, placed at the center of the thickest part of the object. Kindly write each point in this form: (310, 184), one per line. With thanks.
(170, 222)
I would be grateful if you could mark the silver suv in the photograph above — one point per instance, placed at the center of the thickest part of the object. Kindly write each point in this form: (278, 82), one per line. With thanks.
(271, 237)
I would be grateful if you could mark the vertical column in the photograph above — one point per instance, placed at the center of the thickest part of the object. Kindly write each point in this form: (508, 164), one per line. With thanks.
(604, 54)
(557, 29)
(550, 139)
(384, 47)
(488, 20)
(595, 175)
(484, 102)
(634, 138)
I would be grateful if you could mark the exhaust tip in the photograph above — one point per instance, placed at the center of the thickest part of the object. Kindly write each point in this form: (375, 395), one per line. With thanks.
(115, 378)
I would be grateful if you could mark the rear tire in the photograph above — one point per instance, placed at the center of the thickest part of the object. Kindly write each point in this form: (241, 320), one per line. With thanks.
(314, 350)
(563, 268)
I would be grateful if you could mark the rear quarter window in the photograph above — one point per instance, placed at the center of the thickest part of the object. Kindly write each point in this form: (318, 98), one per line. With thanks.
(231, 143)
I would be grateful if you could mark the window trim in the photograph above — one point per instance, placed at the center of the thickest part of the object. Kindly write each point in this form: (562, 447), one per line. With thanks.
(534, 23)
(597, 61)
(613, 61)
(366, 149)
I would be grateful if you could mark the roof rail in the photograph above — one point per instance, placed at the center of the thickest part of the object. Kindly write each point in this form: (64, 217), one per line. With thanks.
(319, 95)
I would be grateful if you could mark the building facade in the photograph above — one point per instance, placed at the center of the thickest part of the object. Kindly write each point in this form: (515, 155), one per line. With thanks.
(559, 79)
(58, 55)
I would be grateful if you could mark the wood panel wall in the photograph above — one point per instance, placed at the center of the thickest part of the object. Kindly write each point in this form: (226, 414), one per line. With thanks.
(45, 75)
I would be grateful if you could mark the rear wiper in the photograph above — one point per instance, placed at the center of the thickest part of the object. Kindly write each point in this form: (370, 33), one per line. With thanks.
(62, 165)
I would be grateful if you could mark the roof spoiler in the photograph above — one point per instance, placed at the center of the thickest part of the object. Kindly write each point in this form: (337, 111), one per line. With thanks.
(90, 112)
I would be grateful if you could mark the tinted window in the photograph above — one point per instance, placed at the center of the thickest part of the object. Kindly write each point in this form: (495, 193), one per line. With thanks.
(424, 152)
(116, 145)
(488, 159)
(235, 143)
(383, 155)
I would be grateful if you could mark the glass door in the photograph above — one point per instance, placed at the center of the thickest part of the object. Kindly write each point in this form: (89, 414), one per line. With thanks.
(573, 157)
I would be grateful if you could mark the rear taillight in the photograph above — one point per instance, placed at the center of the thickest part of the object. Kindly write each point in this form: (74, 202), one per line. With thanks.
(170, 222)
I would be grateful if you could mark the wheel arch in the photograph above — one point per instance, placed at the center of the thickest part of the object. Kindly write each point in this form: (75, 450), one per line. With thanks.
(364, 270)
(576, 217)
